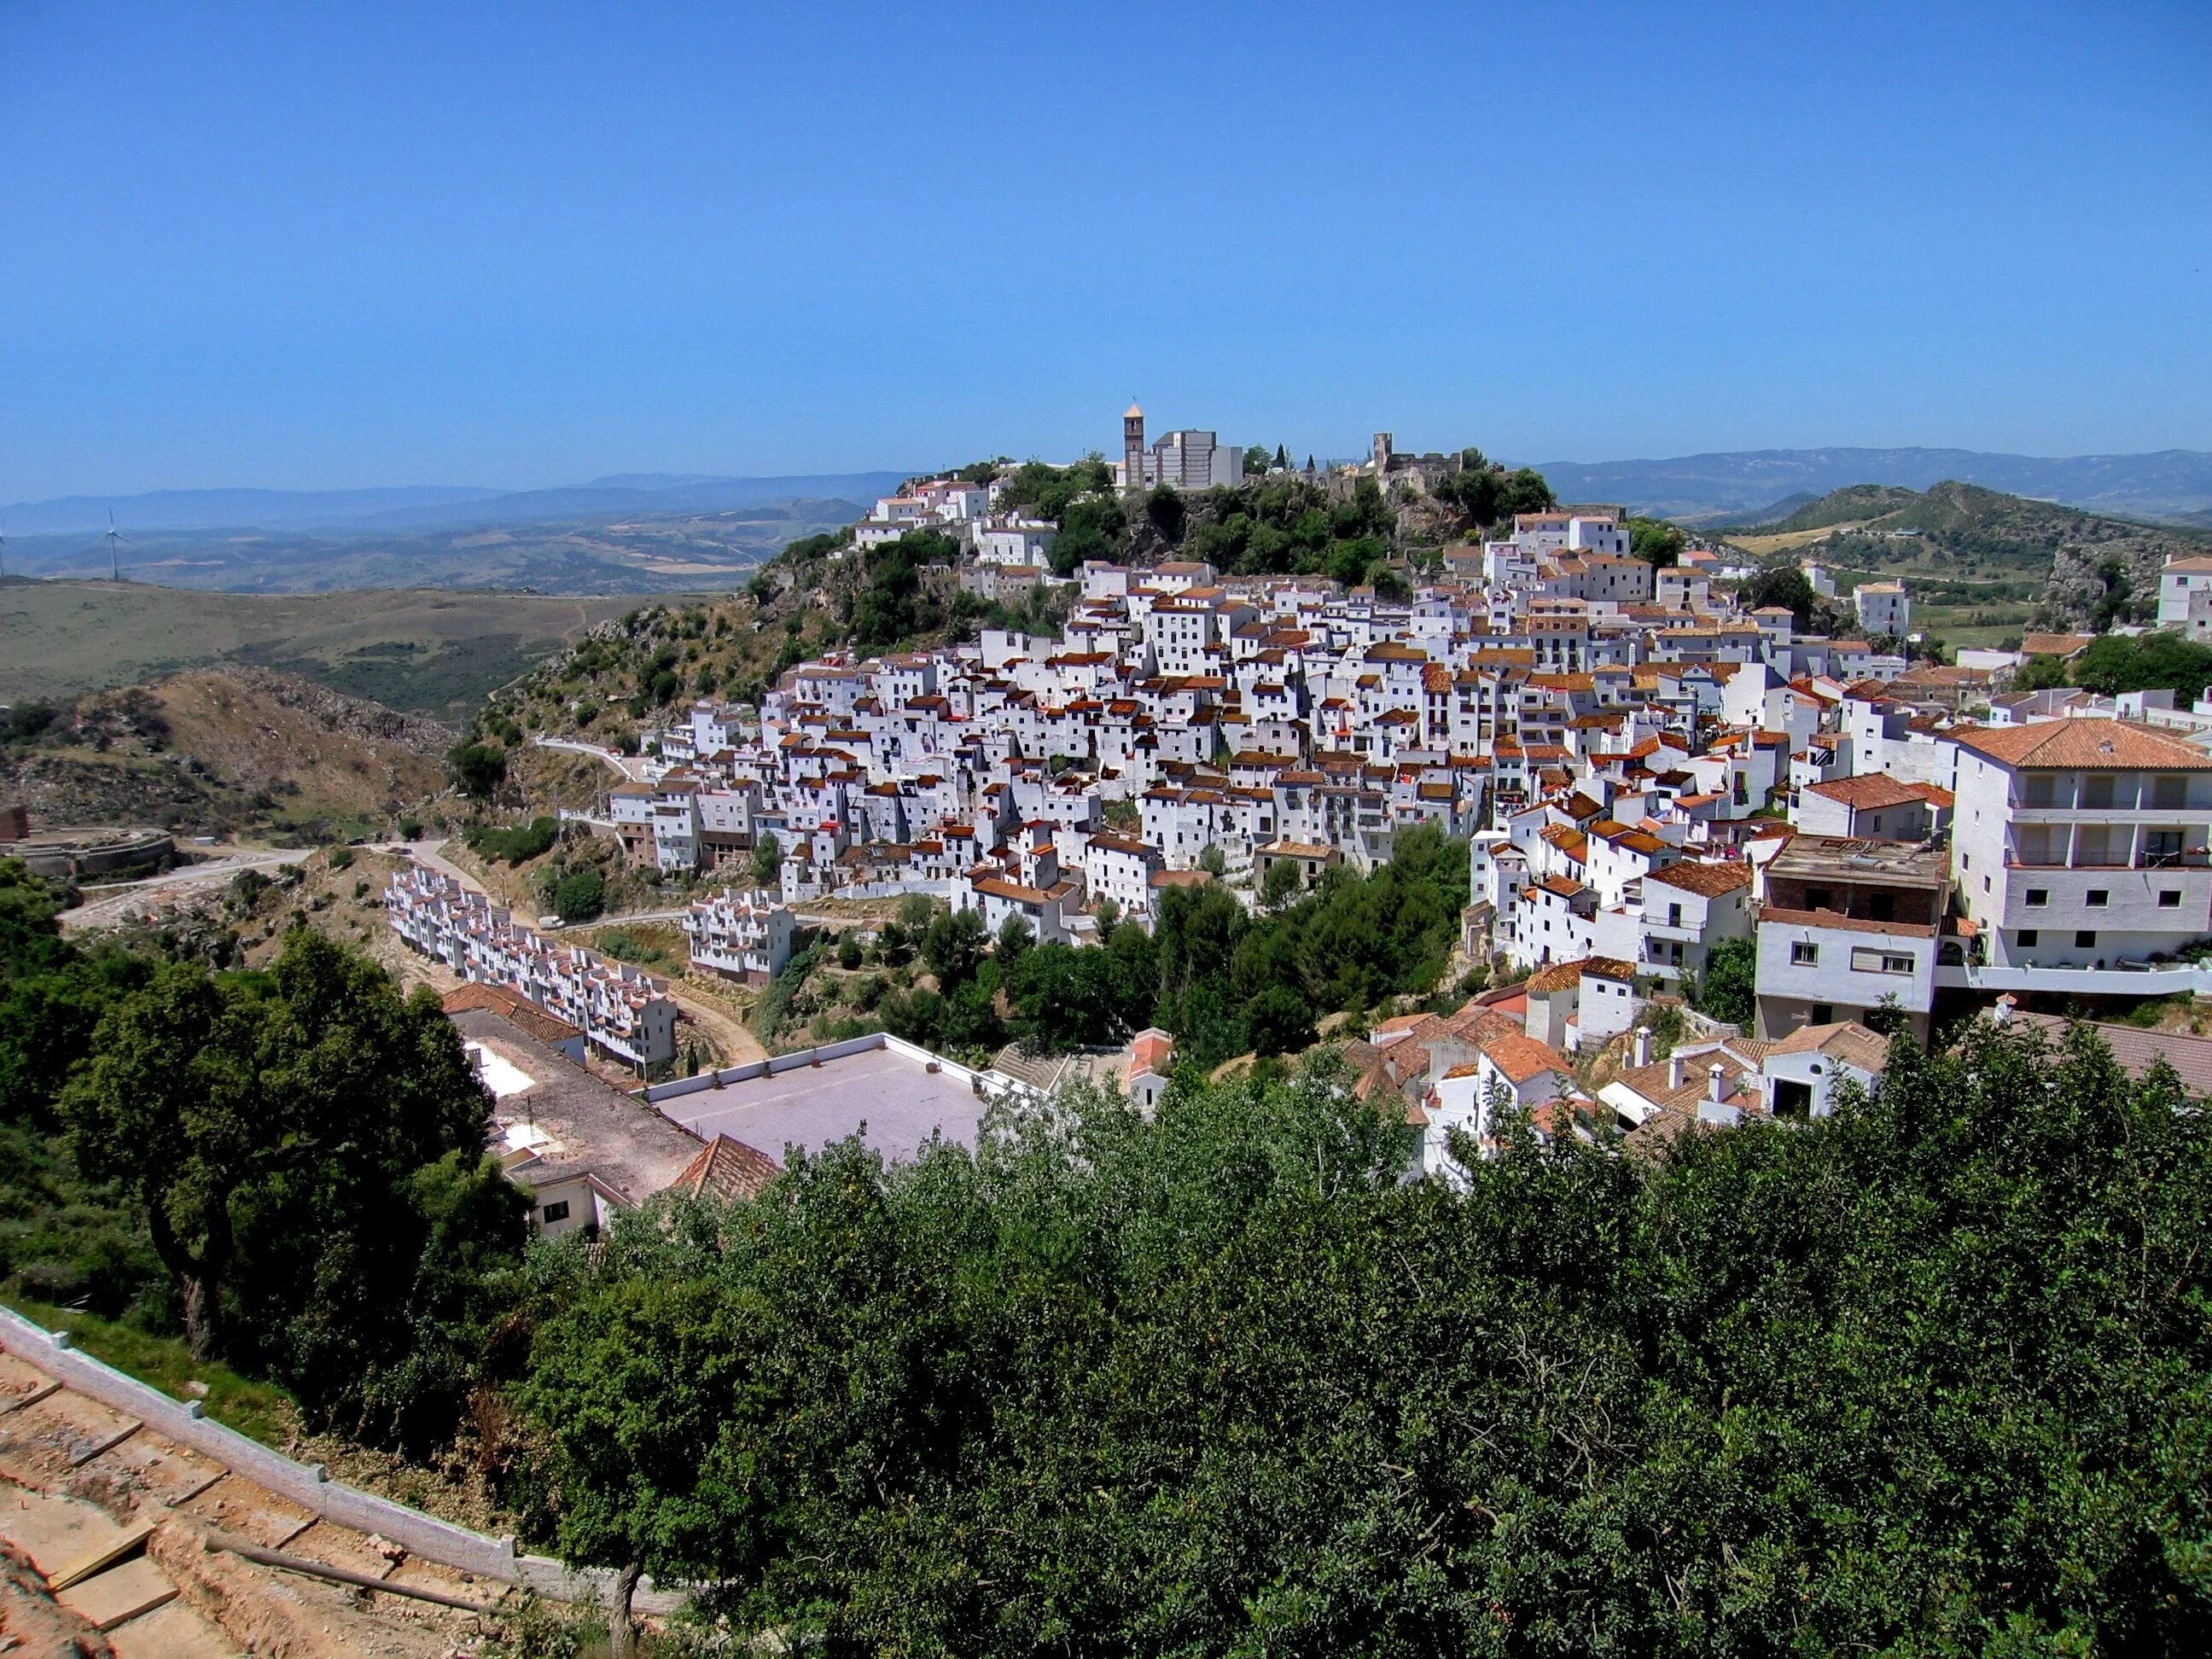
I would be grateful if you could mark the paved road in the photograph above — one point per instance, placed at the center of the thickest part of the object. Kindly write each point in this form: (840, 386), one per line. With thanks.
(106, 902)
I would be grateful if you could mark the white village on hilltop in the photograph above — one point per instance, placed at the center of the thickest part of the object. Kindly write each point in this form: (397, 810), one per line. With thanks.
(1641, 768)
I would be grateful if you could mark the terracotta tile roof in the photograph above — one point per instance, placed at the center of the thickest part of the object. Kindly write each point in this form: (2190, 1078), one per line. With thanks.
(1866, 793)
(728, 1169)
(1709, 880)
(517, 1010)
(2135, 1050)
(1847, 1041)
(1520, 1058)
(2079, 745)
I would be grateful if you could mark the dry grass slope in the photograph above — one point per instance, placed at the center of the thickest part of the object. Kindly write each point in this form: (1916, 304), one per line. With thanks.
(438, 651)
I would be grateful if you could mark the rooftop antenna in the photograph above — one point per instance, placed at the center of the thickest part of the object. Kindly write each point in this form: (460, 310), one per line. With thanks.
(114, 538)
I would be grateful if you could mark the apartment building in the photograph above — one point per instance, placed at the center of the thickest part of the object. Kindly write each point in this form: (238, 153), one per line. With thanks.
(1882, 607)
(740, 935)
(1846, 926)
(2082, 843)
(2185, 596)
(620, 1010)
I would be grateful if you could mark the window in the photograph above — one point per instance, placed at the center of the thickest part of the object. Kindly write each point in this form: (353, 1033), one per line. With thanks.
(2041, 789)
(2169, 898)
(2028, 936)
(2038, 897)
(557, 1211)
(1820, 898)
(1865, 961)
(2097, 898)
(2170, 788)
(1882, 906)
(2097, 789)
(1802, 955)
(1824, 1013)
(2085, 939)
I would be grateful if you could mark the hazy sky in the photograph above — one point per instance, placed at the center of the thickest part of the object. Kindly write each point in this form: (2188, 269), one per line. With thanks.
(311, 246)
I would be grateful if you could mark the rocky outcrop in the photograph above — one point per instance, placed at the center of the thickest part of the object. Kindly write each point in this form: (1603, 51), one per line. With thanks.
(2084, 574)
(353, 717)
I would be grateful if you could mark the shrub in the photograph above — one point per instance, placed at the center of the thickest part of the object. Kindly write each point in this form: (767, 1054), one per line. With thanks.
(579, 896)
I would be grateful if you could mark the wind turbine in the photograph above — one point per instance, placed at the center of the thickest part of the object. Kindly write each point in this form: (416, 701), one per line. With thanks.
(113, 537)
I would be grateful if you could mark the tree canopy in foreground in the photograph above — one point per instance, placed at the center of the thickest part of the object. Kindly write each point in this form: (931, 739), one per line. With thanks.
(1929, 1377)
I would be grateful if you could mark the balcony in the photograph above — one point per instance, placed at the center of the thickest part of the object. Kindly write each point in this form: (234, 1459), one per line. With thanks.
(2126, 980)
(2189, 858)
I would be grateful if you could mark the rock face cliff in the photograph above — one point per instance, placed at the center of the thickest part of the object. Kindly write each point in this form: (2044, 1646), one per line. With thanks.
(2094, 585)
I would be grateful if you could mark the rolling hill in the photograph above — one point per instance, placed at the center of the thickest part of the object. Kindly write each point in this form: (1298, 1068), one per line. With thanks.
(228, 749)
(431, 652)
(1754, 485)
(1964, 546)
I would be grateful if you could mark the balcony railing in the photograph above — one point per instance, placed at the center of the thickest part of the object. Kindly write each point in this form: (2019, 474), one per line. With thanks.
(2189, 858)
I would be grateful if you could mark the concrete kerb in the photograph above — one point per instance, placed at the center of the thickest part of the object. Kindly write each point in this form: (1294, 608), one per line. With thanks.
(307, 1485)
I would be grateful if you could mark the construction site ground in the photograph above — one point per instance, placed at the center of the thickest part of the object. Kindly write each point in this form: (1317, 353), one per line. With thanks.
(114, 1540)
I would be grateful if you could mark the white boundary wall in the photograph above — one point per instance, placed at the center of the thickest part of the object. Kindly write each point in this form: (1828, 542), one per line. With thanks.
(307, 1485)
(990, 1085)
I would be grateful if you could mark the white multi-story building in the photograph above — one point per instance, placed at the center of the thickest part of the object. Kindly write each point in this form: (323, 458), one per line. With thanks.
(2082, 843)
(618, 1008)
(1845, 926)
(1882, 607)
(1670, 922)
(2185, 595)
(1121, 868)
(742, 935)
(1015, 542)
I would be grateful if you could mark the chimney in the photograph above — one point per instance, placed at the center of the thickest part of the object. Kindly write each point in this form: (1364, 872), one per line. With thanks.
(1674, 1072)
(1640, 1047)
(1715, 1088)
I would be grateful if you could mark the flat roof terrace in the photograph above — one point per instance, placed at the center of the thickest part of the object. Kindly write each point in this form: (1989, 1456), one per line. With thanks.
(884, 1090)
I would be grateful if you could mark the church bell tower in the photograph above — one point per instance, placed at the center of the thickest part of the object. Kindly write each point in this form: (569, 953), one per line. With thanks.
(1133, 448)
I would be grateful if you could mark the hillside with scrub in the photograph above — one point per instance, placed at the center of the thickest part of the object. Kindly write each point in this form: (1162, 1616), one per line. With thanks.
(1979, 563)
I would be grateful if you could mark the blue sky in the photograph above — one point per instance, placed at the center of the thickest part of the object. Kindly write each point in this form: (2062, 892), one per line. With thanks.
(335, 245)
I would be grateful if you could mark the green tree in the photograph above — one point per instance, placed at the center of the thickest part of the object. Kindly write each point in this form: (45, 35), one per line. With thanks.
(1729, 988)
(1255, 460)
(952, 947)
(266, 1124)
(1016, 936)
(637, 1383)
(1785, 586)
(579, 896)
(1656, 540)
(767, 860)
(478, 768)
(2147, 662)
(1283, 884)
(1063, 1379)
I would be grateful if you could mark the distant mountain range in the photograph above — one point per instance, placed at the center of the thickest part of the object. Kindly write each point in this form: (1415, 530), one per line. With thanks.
(1752, 486)
(432, 506)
